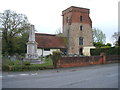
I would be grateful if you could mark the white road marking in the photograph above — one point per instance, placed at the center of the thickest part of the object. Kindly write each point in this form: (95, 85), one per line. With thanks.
(10, 75)
(34, 74)
(18, 75)
(24, 74)
(112, 75)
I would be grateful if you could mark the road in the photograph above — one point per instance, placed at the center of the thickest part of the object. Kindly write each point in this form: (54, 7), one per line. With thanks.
(94, 76)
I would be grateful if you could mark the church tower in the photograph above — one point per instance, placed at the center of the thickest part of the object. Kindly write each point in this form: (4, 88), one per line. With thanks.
(77, 27)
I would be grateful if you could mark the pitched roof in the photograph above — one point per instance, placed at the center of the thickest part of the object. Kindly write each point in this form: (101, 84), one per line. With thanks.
(49, 41)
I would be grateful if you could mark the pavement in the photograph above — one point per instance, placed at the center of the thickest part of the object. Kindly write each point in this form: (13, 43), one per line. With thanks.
(94, 76)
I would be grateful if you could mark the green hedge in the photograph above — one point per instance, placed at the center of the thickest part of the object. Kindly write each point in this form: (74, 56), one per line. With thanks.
(107, 51)
(25, 68)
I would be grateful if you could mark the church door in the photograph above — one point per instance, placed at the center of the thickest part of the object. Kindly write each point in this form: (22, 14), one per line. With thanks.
(81, 51)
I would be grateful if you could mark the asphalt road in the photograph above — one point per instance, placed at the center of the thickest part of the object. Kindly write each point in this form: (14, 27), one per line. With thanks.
(95, 76)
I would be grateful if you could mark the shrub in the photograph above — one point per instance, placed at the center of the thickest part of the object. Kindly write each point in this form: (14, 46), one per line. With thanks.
(107, 51)
(17, 65)
(27, 63)
(55, 57)
(17, 68)
(31, 67)
(48, 56)
(7, 62)
(17, 62)
(26, 66)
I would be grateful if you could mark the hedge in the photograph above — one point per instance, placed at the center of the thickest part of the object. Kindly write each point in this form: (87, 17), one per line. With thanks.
(107, 51)
(25, 68)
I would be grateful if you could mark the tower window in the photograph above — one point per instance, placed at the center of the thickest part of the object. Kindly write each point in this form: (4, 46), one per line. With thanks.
(81, 18)
(81, 27)
(80, 40)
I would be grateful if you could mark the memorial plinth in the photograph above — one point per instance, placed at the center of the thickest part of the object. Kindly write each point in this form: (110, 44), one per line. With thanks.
(32, 45)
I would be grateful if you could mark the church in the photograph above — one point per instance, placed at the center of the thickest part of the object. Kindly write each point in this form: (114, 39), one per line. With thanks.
(76, 36)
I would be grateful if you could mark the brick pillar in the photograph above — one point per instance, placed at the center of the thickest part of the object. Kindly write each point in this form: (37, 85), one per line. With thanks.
(103, 57)
(59, 63)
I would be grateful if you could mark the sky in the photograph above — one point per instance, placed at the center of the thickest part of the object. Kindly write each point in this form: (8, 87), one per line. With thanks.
(46, 14)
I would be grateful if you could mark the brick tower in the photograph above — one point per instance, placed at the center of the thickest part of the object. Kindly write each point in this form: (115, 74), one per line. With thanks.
(77, 27)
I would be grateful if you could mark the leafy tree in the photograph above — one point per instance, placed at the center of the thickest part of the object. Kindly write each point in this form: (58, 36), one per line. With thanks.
(98, 36)
(0, 43)
(13, 27)
(109, 44)
(20, 43)
(98, 44)
(115, 38)
(101, 45)
(119, 41)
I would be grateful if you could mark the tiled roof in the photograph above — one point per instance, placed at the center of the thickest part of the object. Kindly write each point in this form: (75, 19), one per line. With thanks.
(49, 41)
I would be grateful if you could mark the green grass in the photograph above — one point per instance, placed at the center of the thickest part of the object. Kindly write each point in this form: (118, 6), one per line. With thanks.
(48, 62)
(16, 66)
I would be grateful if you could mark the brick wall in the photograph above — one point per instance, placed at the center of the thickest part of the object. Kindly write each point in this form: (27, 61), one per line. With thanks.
(86, 60)
(113, 59)
(75, 13)
(79, 61)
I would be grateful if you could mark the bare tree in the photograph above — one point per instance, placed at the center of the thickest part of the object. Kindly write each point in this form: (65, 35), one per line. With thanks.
(98, 36)
(59, 32)
(115, 38)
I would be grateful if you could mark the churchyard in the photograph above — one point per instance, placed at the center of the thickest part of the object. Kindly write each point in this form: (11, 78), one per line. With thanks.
(25, 50)
(15, 64)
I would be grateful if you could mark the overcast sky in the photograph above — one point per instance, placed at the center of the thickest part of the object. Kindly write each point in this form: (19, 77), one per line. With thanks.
(46, 14)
